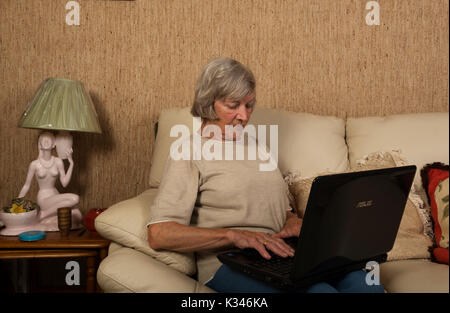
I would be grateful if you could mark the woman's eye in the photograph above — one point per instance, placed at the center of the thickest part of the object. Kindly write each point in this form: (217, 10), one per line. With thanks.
(234, 106)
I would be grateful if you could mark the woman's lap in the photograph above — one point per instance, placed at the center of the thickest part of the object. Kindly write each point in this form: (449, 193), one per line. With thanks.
(228, 280)
(231, 281)
(355, 282)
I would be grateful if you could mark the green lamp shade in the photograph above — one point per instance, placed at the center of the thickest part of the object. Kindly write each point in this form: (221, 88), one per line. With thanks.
(61, 104)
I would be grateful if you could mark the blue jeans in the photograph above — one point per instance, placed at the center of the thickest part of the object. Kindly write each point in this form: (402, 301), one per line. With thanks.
(228, 280)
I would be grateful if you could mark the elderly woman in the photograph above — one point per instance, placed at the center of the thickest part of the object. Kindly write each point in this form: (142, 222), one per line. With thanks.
(207, 206)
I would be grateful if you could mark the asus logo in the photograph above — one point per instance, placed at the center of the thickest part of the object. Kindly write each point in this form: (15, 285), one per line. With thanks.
(364, 204)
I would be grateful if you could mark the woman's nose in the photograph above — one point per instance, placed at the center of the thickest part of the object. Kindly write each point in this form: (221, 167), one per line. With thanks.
(243, 114)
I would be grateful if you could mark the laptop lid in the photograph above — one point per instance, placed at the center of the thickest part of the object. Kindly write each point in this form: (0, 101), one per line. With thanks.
(351, 217)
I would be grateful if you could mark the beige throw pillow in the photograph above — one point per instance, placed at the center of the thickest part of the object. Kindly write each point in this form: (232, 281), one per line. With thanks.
(411, 242)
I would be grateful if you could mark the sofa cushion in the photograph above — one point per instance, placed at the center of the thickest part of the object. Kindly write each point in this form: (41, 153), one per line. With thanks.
(163, 141)
(422, 138)
(124, 223)
(411, 242)
(128, 270)
(415, 276)
(307, 143)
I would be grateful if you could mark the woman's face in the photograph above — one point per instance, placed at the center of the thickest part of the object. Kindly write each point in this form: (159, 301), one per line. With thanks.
(233, 112)
(46, 141)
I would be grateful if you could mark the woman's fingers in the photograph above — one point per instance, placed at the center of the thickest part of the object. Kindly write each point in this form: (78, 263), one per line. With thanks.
(262, 242)
(261, 248)
(279, 247)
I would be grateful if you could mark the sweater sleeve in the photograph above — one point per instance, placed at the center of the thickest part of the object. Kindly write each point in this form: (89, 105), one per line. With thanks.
(177, 193)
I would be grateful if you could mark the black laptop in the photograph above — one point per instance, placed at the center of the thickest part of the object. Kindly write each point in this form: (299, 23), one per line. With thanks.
(350, 219)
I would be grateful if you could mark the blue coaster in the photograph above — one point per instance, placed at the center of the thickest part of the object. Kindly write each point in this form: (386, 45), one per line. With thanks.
(32, 235)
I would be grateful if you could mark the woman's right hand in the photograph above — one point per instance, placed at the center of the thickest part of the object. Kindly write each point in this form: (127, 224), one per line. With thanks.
(261, 242)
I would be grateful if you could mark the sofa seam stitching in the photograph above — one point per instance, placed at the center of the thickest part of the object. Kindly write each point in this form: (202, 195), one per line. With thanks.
(116, 281)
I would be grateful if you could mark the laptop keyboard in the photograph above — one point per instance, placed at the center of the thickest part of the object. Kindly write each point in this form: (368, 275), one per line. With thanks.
(276, 264)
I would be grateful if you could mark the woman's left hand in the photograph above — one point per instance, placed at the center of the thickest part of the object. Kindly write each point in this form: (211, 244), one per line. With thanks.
(291, 227)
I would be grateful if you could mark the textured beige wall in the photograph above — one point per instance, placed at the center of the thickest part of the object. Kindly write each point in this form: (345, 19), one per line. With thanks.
(137, 57)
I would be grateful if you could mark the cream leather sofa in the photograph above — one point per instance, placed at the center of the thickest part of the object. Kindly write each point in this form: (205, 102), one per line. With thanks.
(308, 144)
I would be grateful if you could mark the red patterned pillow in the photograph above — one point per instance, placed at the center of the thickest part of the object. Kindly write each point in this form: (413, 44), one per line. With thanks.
(435, 179)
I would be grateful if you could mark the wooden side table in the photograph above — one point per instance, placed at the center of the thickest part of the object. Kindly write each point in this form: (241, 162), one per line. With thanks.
(89, 245)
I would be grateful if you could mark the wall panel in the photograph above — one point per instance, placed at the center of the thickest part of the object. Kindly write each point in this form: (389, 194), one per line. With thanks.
(138, 57)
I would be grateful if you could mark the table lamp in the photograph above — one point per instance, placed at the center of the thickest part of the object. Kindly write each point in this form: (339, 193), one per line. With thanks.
(59, 105)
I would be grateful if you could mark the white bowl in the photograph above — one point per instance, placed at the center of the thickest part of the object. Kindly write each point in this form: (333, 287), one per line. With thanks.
(17, 220)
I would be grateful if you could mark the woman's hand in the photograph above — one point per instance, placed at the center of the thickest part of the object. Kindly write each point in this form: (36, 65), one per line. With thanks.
(69, 155)
(64, 177)
(291, 227)
(261, 242)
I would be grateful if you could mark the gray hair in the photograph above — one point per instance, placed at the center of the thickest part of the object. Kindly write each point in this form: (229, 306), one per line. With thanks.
(222, 78)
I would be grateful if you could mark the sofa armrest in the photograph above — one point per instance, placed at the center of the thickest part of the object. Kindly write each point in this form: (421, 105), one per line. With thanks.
(125, 224)
(128, 270)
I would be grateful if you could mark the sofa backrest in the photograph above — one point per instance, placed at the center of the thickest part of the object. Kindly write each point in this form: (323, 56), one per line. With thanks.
(307, 144)
(311, 144)
(422, 138)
